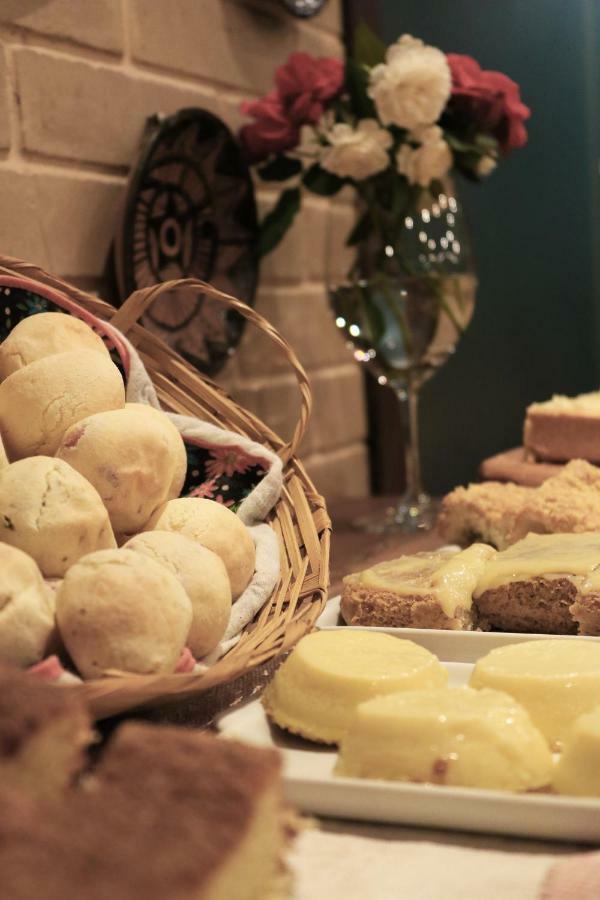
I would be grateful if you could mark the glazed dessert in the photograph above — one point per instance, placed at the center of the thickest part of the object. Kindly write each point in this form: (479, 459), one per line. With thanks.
(134, 464)
(577, 771)
(26, 609)
(564, 428)
(426, 590)
(44, 731)
(450, 736)
(316, 690)
(555, 680)
(56, 392)
(482, 512)
(171, 815)
(536, 585)
(117, 609)
(567, 502)
(216, 527)
(204, 578)
(51, 512)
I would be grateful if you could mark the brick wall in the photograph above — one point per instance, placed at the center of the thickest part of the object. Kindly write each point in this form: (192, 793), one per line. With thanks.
(77, 80)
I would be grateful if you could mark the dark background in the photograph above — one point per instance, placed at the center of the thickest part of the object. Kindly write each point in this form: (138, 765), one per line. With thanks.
(535, 227)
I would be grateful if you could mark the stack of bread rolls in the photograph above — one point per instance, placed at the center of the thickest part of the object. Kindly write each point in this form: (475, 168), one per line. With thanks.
(99, 556)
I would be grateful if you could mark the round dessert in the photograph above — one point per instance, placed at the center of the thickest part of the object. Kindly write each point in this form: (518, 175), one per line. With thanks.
(172, 435)
(40, 401)
(316, 690)
(26, 609)
(204, 578)
(129, 458)
(117, 609)
(452, 736)
(577, 771)
(216, 527)
(51, 512)
(3, 456)
(45, 334)
(555, 680)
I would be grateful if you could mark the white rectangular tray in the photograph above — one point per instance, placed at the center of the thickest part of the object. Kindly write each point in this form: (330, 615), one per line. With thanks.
(452, 646)
(311, 786)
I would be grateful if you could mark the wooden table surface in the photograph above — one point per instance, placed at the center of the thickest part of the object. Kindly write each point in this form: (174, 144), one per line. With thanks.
(353, 550)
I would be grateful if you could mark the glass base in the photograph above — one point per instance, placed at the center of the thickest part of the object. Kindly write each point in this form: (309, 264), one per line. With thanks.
(407, 516)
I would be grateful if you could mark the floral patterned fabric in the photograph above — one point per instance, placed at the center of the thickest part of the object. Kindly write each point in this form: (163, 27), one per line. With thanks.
(225, 474)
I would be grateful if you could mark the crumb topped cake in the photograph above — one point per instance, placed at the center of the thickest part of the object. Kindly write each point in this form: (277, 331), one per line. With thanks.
(567, 502)
(44, 731)
(482, 512)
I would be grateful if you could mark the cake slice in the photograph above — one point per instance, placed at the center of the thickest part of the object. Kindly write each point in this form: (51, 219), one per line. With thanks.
(170, 815)
(482, 512)
(44, 731)
(567, 502)
(544, 583)
(426, 590)
(564, 428)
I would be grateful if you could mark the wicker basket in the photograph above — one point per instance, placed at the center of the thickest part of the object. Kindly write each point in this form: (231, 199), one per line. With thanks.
(300, 518)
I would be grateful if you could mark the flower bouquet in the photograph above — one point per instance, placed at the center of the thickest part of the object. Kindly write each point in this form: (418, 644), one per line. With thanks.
(395, 125)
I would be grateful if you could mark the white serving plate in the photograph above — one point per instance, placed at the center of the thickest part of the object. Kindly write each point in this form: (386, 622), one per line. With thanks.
(312, 787)
(451, 646)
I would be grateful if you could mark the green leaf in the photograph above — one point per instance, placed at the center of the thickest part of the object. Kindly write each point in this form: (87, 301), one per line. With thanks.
(361, 231)
(321, 182)
(357, 80)
(276, 223)
(280, 169)
(368, 49)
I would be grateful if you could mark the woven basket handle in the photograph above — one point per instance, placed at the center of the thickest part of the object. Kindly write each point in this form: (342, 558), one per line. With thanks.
(140, 301)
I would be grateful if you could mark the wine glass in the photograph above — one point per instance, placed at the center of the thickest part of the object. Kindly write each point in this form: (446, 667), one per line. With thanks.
(408, 298)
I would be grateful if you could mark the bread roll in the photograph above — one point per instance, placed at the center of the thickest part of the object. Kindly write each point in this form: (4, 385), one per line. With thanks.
(216, 527)
(52, 513)
(117, 609)
(26, 609)
(40, 401)
(171, 433)
(132, 458)
(204, 578)
(45, 334)
(3, 456)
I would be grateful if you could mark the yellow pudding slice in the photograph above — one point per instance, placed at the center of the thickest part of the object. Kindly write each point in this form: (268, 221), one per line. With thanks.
(542, 555)
(451, 736)
(327, 675)
(555, 680)
(578, 769)
(449, 575)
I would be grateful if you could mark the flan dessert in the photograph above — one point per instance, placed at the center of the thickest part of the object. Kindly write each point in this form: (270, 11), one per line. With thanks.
(564, 428)
(170, 815)
(316, 690)
(482, 512)
(426, 590)
(44, 731)
(450, 736)
(544, 583)
(555, 680)
(578, 768)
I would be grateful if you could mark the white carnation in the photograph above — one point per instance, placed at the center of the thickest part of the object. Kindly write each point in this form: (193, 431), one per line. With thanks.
(357, 152)
(431, 159)
(485, 166)
(412, 87)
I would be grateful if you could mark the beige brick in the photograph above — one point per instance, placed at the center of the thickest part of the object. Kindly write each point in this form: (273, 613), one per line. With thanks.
(341, 257)
(95, 23)
(301, 315)
(88, 111)
(65, 224)
(302, 254)
(343, 473)
(233, 43)
(4, 89)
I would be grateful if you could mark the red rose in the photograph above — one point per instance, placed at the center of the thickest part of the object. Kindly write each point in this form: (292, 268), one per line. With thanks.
(490, 99)
(273, 131)
(305, 84)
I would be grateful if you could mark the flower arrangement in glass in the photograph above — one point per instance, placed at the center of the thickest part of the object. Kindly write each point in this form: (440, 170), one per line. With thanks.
(393, 124)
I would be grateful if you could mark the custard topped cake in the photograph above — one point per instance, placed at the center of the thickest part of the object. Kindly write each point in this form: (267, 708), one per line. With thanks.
(564, 428)
(425, 590)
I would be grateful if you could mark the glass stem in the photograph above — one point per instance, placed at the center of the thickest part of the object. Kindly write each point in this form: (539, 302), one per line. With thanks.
(408, 400)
